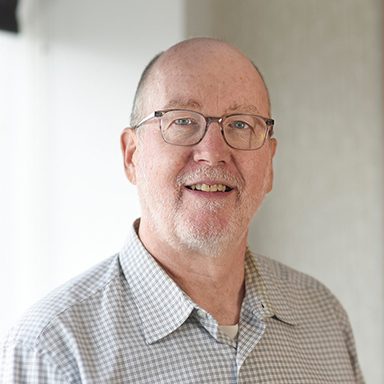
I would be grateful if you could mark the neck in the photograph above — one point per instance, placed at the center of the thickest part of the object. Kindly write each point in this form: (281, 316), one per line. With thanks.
(214, 283)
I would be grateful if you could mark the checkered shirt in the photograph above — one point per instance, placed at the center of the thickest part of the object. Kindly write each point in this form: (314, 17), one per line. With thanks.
(126, 321)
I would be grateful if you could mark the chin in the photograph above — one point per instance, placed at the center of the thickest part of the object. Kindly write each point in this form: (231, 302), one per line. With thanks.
(209, 236)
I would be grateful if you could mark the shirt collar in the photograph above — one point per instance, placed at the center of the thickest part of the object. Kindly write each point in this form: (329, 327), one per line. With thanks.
(163, 307)
(270, 287)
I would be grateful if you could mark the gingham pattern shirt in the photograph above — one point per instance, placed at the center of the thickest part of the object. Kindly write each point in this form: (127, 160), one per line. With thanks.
(126, 321)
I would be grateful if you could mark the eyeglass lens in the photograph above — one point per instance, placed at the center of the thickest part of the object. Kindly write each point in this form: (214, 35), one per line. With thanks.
(240, 131)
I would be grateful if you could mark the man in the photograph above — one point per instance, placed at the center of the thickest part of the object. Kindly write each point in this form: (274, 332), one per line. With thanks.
(185, 301)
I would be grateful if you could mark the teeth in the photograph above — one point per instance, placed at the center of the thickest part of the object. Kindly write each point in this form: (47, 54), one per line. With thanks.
(209, 188)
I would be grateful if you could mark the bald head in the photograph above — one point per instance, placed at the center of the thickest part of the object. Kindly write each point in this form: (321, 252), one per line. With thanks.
(205, 60)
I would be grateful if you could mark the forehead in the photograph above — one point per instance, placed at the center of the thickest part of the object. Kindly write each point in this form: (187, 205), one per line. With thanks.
(215, 81)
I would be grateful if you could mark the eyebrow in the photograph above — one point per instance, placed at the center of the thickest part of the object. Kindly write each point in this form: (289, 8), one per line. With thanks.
(188, 103)
(247, 108)
(181, 102)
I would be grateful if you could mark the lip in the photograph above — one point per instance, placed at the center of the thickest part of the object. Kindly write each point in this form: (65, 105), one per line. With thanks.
(209, 195)
(211, 182)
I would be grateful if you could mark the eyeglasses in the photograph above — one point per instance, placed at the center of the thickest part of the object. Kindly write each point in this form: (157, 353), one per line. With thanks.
(186, 128)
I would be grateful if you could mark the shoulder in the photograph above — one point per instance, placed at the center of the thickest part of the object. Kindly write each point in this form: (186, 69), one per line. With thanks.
(278, 270)
(305, 295)
(310, 315)
(67, 303)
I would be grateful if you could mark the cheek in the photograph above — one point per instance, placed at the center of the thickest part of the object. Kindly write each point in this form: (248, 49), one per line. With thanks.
(255, 175)
(160, 163)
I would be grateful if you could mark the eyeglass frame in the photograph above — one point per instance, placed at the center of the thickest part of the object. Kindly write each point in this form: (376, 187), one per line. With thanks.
(208, 120)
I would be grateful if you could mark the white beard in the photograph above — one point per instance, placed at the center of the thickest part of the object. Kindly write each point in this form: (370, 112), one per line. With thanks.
(176, 224)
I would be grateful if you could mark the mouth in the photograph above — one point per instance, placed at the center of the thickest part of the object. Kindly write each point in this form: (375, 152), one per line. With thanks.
(209, 187)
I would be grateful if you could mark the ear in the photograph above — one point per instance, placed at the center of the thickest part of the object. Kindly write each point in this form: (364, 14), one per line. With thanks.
(272, 145)
(128, 142)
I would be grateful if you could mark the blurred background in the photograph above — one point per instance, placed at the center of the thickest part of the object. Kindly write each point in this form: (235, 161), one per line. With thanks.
(68, 72)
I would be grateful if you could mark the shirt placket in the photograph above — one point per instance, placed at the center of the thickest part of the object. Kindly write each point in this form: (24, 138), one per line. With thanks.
(251, 330)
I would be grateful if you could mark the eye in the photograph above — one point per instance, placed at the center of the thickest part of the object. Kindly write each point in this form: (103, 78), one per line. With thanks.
(238, 124)
(183, 121)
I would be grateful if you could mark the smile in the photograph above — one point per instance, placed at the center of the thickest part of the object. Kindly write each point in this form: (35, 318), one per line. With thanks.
(209, 188)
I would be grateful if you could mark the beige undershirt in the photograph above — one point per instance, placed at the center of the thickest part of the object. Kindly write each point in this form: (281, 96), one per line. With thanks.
(230, 330)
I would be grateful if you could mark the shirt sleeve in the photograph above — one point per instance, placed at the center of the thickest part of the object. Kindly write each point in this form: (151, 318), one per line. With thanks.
(350, 342)
(22, 364)
(353, 354)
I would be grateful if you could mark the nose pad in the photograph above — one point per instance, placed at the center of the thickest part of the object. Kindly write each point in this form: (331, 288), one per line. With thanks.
(214, 121)
(214, 129)
(212, 149)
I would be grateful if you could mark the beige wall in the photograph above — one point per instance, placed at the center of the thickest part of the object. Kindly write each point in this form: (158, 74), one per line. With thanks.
(323, 63)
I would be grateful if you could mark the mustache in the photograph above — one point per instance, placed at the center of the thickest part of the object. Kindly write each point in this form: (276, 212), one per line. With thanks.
(214, 173)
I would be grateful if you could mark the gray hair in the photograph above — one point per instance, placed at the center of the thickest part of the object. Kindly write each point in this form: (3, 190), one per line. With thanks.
(138, 99)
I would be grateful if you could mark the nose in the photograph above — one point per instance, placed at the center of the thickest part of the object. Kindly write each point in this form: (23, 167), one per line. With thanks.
(212, 149)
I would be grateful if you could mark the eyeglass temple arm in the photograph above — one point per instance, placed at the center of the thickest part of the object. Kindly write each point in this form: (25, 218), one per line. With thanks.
(270, 123)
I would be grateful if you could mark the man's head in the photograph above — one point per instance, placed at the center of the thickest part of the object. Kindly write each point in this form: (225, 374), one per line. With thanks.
(214, 79)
